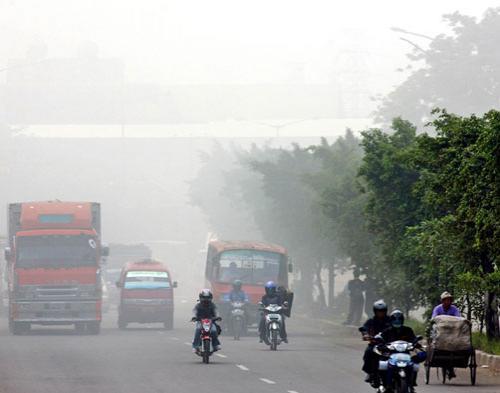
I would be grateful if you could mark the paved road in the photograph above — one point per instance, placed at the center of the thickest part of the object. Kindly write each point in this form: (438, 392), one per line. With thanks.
(147, 360)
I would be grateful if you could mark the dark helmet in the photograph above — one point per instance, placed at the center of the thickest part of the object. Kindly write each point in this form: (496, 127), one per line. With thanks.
(205, 296)
(270, 288)
(397, 319)
(379, 305)
(237, 284)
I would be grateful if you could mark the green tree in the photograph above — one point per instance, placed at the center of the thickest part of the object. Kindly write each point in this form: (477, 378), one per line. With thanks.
(341, 202)
(392, 207)
(459, 71)
(290, 219)
(460, 187)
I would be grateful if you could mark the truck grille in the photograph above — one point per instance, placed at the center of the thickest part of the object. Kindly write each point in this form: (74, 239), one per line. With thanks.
(56, 291)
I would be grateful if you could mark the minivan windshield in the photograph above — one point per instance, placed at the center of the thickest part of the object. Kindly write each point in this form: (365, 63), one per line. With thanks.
(146, 280)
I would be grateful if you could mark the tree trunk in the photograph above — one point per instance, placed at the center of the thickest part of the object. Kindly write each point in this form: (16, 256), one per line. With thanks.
(304, 288)
(319, 283)
(491, 302)
(491, 306)
(331, 284)
(469, 307)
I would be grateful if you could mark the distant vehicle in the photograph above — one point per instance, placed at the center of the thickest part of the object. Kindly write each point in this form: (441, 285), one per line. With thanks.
(238, 319)
(105, 296)
(274, 320)
(254, 263)
(146, 294)
(54, 265)
(111, 276)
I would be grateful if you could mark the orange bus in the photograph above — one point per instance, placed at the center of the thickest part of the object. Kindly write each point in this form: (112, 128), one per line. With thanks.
(254, 263)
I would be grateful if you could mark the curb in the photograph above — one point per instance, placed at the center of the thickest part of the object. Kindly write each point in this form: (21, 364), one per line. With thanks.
(486, 360)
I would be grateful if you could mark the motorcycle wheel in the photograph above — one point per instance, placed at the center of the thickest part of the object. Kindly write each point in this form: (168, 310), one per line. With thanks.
(274, 340)
(206, 351)
(402, 386)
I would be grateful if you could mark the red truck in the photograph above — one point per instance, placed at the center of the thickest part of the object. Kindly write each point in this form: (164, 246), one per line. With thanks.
(54, 265)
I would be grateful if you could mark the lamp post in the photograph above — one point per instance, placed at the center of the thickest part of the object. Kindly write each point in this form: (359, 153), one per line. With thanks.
(279, 126)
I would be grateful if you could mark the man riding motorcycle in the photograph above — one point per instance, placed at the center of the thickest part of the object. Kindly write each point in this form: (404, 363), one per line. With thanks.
(205, 309)
(369, 330)
(398, 332)
(237, 294)
(272, 296)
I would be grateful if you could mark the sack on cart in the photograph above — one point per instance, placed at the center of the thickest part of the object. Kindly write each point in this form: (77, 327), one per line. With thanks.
(451, 333)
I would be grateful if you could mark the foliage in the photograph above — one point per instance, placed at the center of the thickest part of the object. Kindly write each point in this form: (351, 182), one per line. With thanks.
(485, 344)
(459, 71)
(434, 204)
(340, 200)
(417, 213)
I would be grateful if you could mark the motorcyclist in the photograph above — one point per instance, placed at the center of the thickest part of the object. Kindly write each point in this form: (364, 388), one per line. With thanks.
(373, 326)
(205, 309)
(398, 332)
(272, 296)
(237, 294)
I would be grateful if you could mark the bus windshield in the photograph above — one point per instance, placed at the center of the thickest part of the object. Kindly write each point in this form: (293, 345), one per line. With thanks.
(250, 266)
(56, 251)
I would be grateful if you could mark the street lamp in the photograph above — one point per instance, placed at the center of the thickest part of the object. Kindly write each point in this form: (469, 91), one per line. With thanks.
(416, 46)
(279, 126)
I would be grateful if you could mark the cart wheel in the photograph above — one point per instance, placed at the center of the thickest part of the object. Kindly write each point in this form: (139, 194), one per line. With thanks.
(427, 372)
(443, 371)
(473, 368)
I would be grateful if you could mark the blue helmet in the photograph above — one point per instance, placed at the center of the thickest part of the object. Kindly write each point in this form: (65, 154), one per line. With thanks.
(270, 287)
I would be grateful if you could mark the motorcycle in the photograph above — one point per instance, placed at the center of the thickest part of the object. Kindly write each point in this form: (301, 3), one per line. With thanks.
(206, 339)
(399, 367)
(273, 323)
(238, 319)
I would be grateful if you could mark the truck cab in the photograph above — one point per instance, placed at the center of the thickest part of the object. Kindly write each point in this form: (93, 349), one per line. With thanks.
(54, 265)
(146, 294)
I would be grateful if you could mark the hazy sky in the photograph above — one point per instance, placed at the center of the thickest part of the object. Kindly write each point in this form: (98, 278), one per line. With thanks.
(226, 41)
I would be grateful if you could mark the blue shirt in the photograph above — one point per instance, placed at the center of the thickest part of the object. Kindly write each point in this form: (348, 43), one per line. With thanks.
(453, 311)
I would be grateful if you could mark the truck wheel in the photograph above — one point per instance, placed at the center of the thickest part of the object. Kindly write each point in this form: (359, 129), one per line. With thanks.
(169, 324)
(122, 324)
(93, 327)
(18, 328)
(79, 328)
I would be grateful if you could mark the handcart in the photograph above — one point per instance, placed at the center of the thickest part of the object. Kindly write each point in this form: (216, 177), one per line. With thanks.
(450, 346)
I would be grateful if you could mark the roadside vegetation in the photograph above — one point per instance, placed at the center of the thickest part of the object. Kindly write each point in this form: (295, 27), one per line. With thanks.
(414, 207)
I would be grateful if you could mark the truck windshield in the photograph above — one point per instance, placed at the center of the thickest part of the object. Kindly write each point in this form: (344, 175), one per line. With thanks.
(146, 280)
(249, 266)
(56, 251)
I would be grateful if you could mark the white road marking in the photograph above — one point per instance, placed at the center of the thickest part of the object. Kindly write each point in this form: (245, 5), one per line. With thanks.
(292, 391)
(268, 381)
(242, 367)
(175, 338)
(221, 355)
(187, 343)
